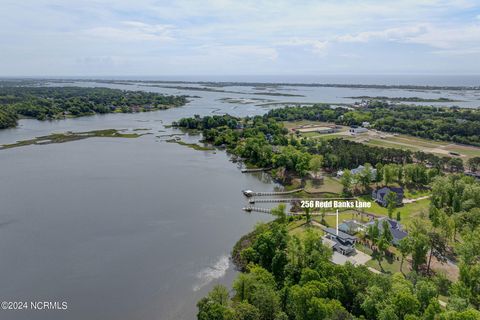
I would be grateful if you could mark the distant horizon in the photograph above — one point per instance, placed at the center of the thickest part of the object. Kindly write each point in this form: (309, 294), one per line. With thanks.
(457, 80)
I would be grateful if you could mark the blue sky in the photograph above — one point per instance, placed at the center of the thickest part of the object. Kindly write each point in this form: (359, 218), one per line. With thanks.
(223, 37)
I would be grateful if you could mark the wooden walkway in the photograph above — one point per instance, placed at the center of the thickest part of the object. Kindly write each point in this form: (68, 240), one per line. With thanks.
(257, 209)
(247, 170)
(249, 193)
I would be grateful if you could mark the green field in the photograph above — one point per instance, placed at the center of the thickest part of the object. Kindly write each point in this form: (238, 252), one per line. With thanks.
(329, 184)
(388, 140)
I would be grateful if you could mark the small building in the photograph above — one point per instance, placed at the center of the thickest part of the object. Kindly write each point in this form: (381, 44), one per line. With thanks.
(358, 170)
(321, 129)
(340, 241)
(351, 227)
(380, 195)
(395, 227)
(357, 130)
(365, 124)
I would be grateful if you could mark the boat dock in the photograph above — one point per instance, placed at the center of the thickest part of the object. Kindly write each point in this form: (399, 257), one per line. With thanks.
(257, 209)
(250, 193)
(246, 170)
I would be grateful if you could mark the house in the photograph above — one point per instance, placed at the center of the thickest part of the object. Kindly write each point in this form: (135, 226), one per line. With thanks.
(395, 227)
(358, 170)
(340, 241)
(351, 227)
(380, 195)
(357, 130)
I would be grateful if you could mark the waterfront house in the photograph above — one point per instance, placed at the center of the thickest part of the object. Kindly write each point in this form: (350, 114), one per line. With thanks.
(380, 195)
(340, 241)
(358, 170)
(351, 227)
(395, 227)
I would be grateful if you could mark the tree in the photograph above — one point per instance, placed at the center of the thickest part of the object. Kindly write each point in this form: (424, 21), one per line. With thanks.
(245, 311)
(366, 176)
(315, 164)
(346, 181)
(473, 164)
(455, 164)
(391, 199)
(425, 291)
(419, 241)
(215, 305)
(438, 248)
(388, 174)
(279, 212)
(469, 253)
(405, 247)
(379, 168)
(308, 216)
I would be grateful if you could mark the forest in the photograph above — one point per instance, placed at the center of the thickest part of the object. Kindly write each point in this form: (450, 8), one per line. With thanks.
(289, 277)
(264, 142)
(45, 103)
(454, 124)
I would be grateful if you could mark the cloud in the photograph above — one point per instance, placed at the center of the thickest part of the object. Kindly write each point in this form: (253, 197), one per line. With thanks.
(240, 51)
(449, 37)
(132, 31)
(392, 34)
(316, 46)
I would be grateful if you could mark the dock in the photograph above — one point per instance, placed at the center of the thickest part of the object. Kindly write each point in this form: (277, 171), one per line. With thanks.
(257, 209)
(253, 200)
(250, 193)
(247, 170)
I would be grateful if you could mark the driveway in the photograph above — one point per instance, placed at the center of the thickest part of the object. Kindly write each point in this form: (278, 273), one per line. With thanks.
(360, 258)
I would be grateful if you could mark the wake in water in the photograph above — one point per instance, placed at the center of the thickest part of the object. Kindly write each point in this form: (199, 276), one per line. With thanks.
(210, 273)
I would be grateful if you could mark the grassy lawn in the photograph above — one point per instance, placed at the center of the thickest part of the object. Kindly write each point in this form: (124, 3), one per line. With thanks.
(329, 184)
(468, 151)
(299, 227)
(415, 193)
(390, 265)
(407, 211)
(402, 138)
(294, 124)
(386, 144)
(331, 220)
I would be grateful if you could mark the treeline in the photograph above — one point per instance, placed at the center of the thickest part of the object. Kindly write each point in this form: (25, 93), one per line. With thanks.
(455, 218)
(437, 123)
(8, 118)
(285, 277)
(55, 102)
(264, 142)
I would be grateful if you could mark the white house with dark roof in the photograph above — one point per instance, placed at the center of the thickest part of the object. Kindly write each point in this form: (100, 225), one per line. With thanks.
(395, 227)
(358, 170)
(340, 241)
(380, 195)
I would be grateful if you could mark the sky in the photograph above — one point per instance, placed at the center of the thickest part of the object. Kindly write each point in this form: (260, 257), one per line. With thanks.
(238, 37)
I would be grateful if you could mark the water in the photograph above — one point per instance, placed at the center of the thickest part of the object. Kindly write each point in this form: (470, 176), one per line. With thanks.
(128, 228)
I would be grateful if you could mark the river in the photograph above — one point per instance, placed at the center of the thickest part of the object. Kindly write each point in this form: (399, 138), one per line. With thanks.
(131, 228)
